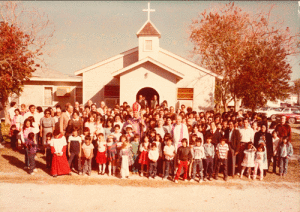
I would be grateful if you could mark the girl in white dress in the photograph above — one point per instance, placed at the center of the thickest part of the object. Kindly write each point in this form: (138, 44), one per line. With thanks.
(259, 160)
(248, 161)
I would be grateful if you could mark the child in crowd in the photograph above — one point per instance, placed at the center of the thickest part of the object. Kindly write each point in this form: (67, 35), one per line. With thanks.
(144, 160)
(125, 158)
(169, 152)
(17, 119)
(32, 148)
(264, 164)
(153, 156)
(135, 152)
(152, 137)
(258, 162)
(48, 150)
(87, 149)
(86, 131)
(209, 151)
(275, 141)
(129, 134)
(285, 152)
(13, 133)
(248, 161)
(191, 146)
(198, 156)
(116, 134)
(74, 149)
(184, 158)
(111, 155)
(101, 153)
(222, 154)
(159, 143)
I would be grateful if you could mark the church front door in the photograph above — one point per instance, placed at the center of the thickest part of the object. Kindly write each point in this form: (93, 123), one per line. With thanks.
(148, 93)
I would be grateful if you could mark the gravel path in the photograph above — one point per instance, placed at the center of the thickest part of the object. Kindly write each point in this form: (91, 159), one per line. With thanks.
(34, 197)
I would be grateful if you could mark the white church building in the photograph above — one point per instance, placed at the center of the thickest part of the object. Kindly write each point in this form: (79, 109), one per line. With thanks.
(148, 70)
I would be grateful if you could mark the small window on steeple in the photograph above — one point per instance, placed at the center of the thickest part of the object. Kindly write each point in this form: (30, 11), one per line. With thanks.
(148, 45)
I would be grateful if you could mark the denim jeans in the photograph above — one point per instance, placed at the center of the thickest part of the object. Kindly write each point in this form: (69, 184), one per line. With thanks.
(31, 162)
(209, 164)
(152, 169)
(76, 157)
(221, 162)
(87, 167)
(283, 165)
(169, 164)
(134, 167)
(26, 157)
(48, 158)
(198, 164)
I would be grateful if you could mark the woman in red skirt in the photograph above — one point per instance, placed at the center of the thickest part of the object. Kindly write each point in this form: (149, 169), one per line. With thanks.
(144, 160)
(101, 153)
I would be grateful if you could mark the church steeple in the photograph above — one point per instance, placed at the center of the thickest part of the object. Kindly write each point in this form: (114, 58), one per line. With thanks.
(148, 37)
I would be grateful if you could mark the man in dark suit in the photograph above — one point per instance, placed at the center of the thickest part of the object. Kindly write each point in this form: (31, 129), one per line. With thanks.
(216, 136)
(234, 141)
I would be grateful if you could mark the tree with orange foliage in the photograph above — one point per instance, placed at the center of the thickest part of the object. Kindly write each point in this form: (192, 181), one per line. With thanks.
(24, 34)
(249, 52)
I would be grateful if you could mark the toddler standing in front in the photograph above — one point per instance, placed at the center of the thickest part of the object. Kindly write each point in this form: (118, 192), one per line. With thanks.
(87, 149)
(258, 162)
(248, 161)
(101, 153)
(125, 158)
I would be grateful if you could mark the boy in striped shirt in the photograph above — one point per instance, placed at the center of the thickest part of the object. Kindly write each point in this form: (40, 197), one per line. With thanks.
(222, 153)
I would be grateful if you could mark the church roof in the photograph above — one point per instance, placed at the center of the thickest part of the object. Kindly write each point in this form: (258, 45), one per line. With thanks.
(46, 74)
(148, 29)
(148, 59)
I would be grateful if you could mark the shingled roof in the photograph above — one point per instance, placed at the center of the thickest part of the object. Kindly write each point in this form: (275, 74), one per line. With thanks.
(148, 29)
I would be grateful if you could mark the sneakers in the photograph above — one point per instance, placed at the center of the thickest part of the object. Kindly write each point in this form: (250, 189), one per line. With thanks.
(32, 173)
(34, 170)
(26, 167)
(200, 181)
(80, 173)
(142, 175)
(192, 180)
(261, 179)
(185, 180)
(176, 181)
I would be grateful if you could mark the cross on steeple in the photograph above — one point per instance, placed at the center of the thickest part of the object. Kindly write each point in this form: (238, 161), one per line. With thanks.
(148, 10)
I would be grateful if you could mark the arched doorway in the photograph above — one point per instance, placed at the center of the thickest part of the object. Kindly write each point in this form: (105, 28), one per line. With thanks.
(148, 93)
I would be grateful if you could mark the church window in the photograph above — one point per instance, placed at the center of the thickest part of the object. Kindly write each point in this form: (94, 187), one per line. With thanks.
(48, 96)
(111, 91)
(78, 95)
(185, 94)
(148, 45)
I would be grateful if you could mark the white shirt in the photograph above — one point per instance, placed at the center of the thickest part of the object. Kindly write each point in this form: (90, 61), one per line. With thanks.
(247, 135)
(169, 150)
(72, 138)
(153, 155)
(176, 132)
(11, 112)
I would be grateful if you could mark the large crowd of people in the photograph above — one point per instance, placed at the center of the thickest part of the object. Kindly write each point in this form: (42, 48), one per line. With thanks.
(150, 140)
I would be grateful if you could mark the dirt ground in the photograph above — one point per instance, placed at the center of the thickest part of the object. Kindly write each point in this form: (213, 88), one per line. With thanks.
(53, 197)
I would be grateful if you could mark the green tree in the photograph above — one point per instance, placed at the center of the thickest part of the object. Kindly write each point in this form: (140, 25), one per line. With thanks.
(24, 34)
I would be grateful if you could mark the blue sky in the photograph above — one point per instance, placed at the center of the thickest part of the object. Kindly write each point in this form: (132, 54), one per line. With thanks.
(88, 32)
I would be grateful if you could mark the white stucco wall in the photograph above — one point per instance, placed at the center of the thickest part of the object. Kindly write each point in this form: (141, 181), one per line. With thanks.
(94, 80)
(155, 47)
(134, 80)
(33, 93)
(203, 83)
